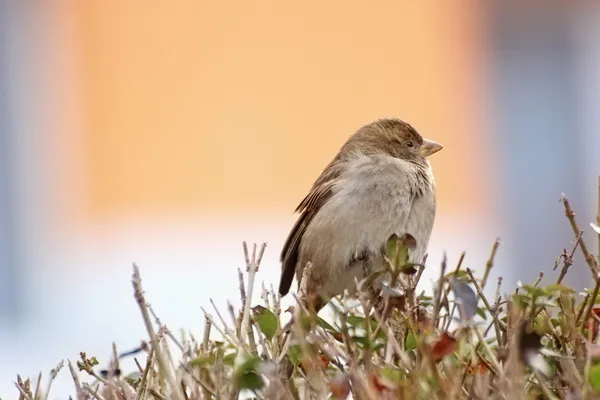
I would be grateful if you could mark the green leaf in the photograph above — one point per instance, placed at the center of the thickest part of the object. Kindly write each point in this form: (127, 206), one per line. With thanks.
(202, 361)
(364, 343)
(229, 359)
(557, 287)
(541, 326)
(132, 379)
(326, 325)
(594, 377)
(246, 376)
(481, 312)
(294, 352)
(393, 375)
(397, 249)
(250, 380)
(522, 300)
(460, 274)
(360, 322)
(266, 320)
(368, 281)
(411, 342)
(390, 246)
(534, 291)
(452, 360)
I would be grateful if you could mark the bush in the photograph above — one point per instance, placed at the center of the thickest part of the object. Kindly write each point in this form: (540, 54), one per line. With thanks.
(538, 342)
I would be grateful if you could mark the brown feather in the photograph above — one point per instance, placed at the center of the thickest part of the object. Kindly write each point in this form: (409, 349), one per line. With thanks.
(320, 192)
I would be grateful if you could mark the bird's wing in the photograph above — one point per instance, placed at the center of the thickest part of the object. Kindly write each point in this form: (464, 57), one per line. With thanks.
(321, 191)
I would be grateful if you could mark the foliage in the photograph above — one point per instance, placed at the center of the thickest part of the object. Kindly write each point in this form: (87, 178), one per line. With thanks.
(539, 340)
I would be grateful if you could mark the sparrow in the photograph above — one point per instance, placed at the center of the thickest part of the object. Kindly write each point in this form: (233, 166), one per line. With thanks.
(380, 183)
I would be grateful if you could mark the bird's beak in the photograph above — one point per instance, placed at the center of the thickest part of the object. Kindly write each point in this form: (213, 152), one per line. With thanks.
(429, 147)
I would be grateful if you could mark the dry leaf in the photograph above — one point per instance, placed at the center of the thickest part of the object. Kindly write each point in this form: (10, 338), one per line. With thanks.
(443, 347)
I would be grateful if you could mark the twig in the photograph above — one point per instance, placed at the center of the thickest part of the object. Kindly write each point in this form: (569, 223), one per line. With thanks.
(439, 292)
(598, 218)
(162, 363)
(421, 269)
(205, 386)
(157, 395)
(583, 307)
(448, 322)
(568, 258)
(490, 262)
(485, 301)
(225, 326)
(590, 260)
(461, 258)
(36, 394)
(497, 296)
(496, 312)
(235, 320)
(93, 392)
(591, 306)
(115, 361)
(492, 358)
(314, 376)
(164, 328)
(78, 388)
(252, 266)
(24, 394)
(544, 386)
(242, 286)
(206, 336)
(53, 374)
(224, 332)
(538, 279)
(142, 387)
(204, 347)
(588, 364)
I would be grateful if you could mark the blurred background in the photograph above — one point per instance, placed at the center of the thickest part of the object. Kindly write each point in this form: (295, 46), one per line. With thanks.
(166, 134)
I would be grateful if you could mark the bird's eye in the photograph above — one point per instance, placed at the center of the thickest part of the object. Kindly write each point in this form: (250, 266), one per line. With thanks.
(410, 144)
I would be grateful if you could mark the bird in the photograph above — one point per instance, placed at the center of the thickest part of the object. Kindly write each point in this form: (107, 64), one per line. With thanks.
(379, 183)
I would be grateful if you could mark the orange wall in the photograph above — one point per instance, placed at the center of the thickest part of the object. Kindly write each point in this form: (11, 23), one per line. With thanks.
(239, 105)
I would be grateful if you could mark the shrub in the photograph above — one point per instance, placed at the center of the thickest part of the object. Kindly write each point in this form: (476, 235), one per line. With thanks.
(538, 342)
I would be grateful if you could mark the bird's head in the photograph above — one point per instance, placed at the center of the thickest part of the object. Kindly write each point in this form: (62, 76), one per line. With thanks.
(392, 137)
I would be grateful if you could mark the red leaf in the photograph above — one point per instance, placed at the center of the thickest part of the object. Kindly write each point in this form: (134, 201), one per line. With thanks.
(592, 323)
(398, 302)
(423, 321)
(480, 368)
(340, 386)
(309, 363)
(381, 383)
(446, 345)
(409, 241)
